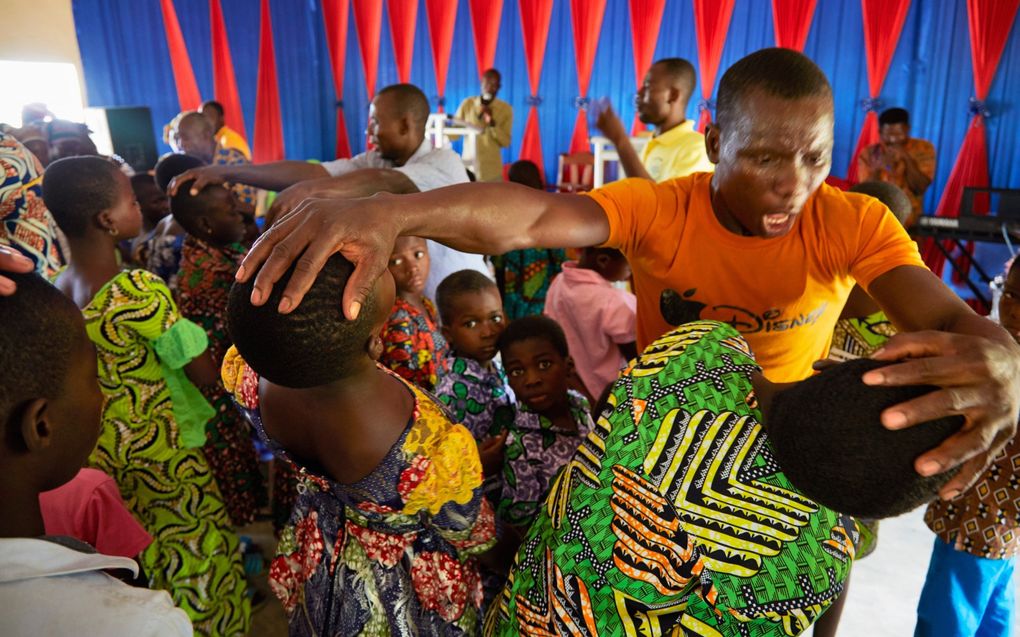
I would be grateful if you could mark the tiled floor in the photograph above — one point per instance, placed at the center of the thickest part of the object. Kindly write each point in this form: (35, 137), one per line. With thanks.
(883, 593)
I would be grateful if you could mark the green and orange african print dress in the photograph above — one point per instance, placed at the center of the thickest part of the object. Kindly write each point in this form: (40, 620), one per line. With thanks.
(142, 343)
(673, 517)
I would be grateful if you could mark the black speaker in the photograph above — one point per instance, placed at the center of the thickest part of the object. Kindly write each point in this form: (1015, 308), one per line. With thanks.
(126, 131)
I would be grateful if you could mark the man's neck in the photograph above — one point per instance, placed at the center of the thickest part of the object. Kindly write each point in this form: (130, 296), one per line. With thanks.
(671, 122)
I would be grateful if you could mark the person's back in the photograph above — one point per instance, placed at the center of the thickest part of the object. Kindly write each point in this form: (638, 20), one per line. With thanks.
(676, 513)
(50, 407)
(382, 536)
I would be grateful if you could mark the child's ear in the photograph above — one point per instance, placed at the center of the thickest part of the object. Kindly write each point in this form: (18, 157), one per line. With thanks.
(374, 347)
(712, 142)
(104, 221)
(34, 425)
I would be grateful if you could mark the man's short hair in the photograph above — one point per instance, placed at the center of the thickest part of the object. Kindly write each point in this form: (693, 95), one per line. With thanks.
(39, 329)
(890, 194)
(778, 72)
(172, 165)
(492, 72)
(460, 282)
(313, 345)
(76, 189)
(411, 100)
(680, 72)
(196, 119)
(214, 105)
(894, 116)
(837, 451)
(535, 327)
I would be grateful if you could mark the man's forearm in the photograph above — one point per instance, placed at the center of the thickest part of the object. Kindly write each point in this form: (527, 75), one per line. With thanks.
(497, 218)
(362, 183)
(277, 175)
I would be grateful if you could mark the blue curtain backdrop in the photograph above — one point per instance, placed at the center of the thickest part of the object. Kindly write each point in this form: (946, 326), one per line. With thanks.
(124, 54)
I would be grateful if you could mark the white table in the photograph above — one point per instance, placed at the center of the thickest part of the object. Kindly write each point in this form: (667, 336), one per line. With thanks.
(442, 129)
(605, 152)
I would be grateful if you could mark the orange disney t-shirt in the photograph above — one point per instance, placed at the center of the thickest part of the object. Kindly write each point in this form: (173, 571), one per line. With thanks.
(783, 294)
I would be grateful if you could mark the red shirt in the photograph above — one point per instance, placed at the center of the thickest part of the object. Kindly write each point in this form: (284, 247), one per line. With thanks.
(89, 508)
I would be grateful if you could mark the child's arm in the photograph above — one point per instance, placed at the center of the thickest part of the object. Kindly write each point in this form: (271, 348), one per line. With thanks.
(202, 370)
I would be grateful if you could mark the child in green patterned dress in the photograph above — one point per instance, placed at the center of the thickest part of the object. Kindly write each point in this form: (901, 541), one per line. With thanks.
(154, 417)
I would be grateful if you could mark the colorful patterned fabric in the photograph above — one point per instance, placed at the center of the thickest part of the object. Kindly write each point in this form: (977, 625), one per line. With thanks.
(523, 277)
(413, 346)
(920, 150)
(164, 259)
(477, 396)
(392, 553)
(536, 451)
(27, 224)
(673, 517)
(985, 520)
(204, 281)
(233, 157)
(860, 337)
(169, 488)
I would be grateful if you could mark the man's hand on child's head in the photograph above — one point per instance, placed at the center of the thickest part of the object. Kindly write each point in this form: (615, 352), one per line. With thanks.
(204, 176)
(979, 379)
(12, 261)
(359, 229)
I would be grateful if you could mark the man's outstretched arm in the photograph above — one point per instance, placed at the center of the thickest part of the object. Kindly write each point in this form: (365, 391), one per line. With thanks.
(480, 218)
(277, 175)
(360, 183)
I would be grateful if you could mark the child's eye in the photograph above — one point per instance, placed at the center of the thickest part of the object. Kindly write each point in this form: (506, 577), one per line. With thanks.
(544, 365)
(764, 159)
(470, 324)
(420, 254)
(396, 261)
(514, 373)
(497, 318)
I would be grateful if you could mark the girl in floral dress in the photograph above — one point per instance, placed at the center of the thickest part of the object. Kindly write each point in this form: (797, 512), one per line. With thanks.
(390, 511)
(413, 345)
(154, 417)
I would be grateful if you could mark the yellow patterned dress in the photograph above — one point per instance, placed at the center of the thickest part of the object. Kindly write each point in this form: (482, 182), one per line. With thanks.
(151, 447)
(391, 554)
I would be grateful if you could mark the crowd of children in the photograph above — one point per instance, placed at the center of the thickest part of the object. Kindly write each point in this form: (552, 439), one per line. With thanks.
(443, 467)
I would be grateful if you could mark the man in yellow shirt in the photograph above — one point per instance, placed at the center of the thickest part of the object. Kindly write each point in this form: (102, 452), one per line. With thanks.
(779, 259)
(494, 118)
(675, 149)
(226, 137)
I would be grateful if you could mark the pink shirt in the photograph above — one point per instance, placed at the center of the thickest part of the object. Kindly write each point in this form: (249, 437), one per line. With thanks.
(596, 317)
(89, 508)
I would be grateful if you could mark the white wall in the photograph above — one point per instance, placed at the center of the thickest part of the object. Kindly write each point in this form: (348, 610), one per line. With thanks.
(40, 31)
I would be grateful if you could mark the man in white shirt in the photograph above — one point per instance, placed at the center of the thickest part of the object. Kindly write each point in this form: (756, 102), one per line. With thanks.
(402, 161)
(50, 418)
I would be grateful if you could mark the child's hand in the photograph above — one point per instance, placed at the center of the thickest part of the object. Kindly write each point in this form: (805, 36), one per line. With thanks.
(490, 451)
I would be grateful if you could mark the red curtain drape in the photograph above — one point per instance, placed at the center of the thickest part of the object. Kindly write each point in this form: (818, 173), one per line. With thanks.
(711, 22)
(990, 22)
(586, 19)
(442, 16)
(367, 24)
(792, 21)
(403, 17)
(485, 16)
(535, 17)
(224, 82)
(268, 142)
(184, 77)
(334, 15)
(645, 21)
(883, 23)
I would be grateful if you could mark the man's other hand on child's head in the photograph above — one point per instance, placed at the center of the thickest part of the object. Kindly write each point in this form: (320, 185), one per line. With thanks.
(978, 378)
(12, 261)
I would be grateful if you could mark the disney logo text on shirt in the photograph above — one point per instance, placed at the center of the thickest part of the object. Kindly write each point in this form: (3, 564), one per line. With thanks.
(678, 309)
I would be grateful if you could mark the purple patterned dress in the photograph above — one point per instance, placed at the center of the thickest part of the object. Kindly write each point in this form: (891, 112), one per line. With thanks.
(535, 452)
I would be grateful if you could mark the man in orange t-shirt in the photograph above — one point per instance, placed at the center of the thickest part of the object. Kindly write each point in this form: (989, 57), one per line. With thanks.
(761, 243)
